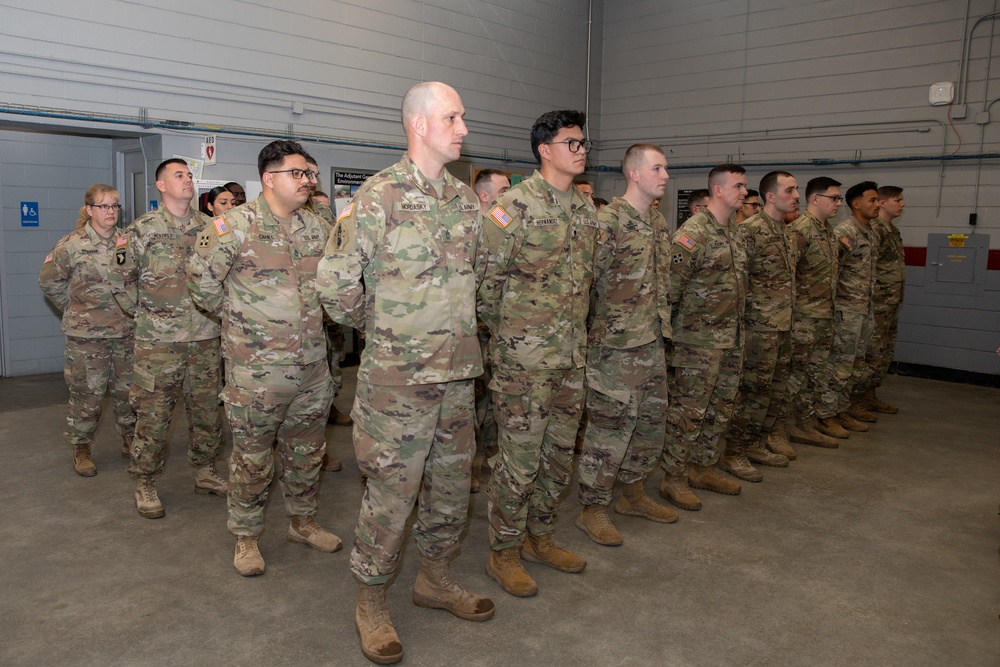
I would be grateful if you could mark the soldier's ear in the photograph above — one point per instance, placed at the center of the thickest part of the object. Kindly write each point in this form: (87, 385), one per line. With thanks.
(418, 124)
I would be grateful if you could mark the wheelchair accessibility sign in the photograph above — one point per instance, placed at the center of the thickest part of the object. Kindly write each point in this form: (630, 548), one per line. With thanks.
(29, 214)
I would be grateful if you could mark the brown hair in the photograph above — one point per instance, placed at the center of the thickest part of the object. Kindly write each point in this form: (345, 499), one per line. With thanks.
(94, 192)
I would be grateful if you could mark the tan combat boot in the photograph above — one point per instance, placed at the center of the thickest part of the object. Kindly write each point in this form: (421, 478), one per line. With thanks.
(594, 521)
(330, 463)
(247, 560)
(505, 567)
(338, 418)
(850, 423)
(82, 463)
(777, 441)
(435, 589)
(877, 404)
(829, 426)
(675, 489)
(758, 453)
(804, 433)
(146, 499)
(635, 502)
(541, 549)
(127, 447)
(708, 478)
(859, 411)
(305, 530)
(474, 482)
(207, 480)
(738, 465)
(379, 641)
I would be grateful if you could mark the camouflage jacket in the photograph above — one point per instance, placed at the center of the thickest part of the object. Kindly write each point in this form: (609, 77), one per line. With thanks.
(626, 295)
(856, 258)
(708, 284)
(259, 274)
(815, 266)
(401, 265)
(770, 273)
(147, 278)
(75, 278)
(536, 293)
(890, 264)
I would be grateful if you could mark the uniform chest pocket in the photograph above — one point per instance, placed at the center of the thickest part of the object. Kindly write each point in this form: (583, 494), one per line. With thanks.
(408, 254)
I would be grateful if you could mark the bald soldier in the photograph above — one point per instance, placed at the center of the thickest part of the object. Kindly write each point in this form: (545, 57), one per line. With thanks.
(400, 266)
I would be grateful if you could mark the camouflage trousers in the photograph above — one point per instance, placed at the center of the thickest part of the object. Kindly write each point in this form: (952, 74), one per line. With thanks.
(415, 444)
(272, 409)
(538, 414)
(883, 345)
(703, 384)
(763, 386)
(486, 424)
(626, 406)
(812, 340)
(334, 348)
(93, 366)
(852, 333)
(164, 372)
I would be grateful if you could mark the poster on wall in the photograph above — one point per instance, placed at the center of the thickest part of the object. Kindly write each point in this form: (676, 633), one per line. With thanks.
(683, 205)
(345, 183)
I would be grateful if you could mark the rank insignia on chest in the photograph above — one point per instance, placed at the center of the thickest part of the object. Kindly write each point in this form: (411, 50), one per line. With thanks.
(121, 240)
(48, 258)
(500, 216)
(678, 258)
(846, 240)
(687, 242)
(221, 228)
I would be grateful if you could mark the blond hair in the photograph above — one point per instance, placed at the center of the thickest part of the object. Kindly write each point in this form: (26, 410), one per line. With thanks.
(94, 192)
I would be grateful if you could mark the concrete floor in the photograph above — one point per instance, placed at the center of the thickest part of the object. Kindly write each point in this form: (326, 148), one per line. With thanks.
(883, 552)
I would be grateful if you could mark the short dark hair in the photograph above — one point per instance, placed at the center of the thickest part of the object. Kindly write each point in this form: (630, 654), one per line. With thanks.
(770, 181)
(752, 193)
(889, 191)
(715, 177)
(697, 196)
(226, 186)
(275, 153)
(548, 125)
(582, 181)
(484, 177)
(600, 201)
(167, 163)
(819, 185)
(858, 191)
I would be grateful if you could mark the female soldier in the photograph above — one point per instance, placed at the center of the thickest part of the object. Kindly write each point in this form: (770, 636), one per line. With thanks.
(99, 337)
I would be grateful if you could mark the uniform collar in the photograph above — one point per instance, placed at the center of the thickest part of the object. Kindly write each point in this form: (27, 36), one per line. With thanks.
(448, 192)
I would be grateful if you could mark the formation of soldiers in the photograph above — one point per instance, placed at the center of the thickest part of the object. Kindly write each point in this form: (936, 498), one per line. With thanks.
(707, 350)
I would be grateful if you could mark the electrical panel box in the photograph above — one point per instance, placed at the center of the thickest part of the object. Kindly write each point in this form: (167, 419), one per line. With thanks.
(956, 264)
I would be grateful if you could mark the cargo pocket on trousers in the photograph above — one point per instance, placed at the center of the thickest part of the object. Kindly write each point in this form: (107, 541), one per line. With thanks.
(604, 411)
(378, 439)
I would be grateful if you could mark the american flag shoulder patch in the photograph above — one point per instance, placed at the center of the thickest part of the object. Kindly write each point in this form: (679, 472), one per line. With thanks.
(687, 241)
(346, 212)
(846, 240)
(221, 228)
(500, 216)
(121, 240)
(48, 258)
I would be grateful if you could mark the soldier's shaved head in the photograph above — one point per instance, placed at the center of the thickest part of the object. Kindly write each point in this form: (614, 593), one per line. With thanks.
(419, 99)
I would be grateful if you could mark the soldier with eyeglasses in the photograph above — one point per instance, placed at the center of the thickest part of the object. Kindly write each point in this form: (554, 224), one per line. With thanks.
(541, 236)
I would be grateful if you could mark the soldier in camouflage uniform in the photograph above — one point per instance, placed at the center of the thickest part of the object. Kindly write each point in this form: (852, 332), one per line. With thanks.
(99, 338)
(890, 279)
(489, 185)
(256, 267)
(768, 346)
(708, 294)
(401, 265)
(815, 285)
(176, 345)
(852, 327)
(626, 367)
(541, 236)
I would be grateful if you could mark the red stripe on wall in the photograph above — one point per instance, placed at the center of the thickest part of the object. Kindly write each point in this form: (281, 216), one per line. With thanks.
(918, 257)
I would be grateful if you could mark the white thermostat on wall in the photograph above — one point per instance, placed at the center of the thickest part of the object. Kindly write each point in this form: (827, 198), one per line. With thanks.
(942, 93)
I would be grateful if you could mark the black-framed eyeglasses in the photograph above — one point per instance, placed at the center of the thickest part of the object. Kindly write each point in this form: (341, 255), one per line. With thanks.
(107, 207)
(755, 204)
(574, 145)
(296, 173)
(836, 198)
